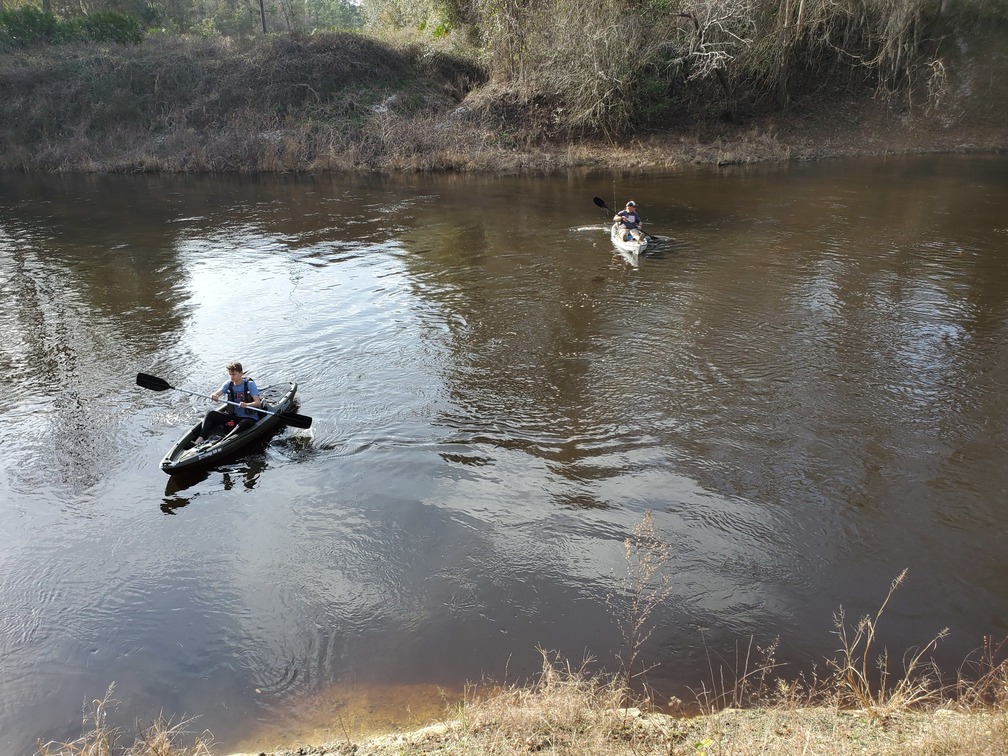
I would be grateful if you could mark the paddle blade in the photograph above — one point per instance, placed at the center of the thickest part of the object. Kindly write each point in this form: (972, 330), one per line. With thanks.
(600, 202)
(298, 421)
(152, 382)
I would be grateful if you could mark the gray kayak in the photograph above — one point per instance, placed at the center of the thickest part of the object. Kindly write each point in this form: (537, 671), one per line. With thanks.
(183, 457)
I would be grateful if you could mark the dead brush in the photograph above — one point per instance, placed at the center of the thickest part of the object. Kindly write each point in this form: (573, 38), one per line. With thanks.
(865, 680)
(101, 738)
(566, 710)
(983, 678)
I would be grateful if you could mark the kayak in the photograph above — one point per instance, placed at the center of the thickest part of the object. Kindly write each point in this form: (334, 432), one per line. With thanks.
(634, 246)
(630, 258)
(183, 457)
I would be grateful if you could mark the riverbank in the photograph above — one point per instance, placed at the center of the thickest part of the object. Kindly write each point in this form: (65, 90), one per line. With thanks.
(344, 102)
(629, 732)
(569, 711)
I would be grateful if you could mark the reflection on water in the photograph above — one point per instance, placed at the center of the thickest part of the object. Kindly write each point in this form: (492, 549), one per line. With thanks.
(803, 380)
(241, 473)
(246, 476)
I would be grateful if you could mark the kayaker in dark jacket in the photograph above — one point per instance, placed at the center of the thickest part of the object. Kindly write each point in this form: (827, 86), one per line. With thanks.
(238, 418)
(630, 221)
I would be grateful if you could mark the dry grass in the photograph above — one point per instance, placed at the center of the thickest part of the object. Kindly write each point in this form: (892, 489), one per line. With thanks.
(101, 738)
(275, 104)
(864, 681)
(571, 711)
(644, 587)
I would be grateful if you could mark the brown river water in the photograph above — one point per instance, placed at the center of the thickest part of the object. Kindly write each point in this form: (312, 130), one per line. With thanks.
(803, 378)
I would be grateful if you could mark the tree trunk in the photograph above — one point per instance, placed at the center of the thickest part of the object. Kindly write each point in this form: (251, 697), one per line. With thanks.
(732, 113)
(262, 14)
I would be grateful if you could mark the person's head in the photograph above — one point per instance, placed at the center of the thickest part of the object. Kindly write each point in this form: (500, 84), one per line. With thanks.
(631, 205)
(235, 369)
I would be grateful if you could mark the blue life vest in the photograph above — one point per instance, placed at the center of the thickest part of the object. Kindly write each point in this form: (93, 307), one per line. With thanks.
(245, 396)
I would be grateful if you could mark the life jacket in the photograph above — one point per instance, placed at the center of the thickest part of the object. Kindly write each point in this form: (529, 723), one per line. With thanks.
(630, 220)
(245, 396)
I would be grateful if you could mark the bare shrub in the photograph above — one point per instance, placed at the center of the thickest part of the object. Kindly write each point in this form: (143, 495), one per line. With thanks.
(882, 38)
(593, 64)
(644, 587)
(983, 677)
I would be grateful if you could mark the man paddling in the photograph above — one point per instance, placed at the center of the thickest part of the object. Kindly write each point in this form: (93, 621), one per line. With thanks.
(241, 390)
(630, 222)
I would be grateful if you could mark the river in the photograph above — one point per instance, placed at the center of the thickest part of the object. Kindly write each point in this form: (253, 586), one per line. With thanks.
(803, 378)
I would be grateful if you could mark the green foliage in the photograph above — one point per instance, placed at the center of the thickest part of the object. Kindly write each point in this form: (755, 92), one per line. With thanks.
(979, 11)
(654, 102)
(436, 17)
(334, 15)
(439, 30)
(238, 18)
(28, 26)
(109, 27)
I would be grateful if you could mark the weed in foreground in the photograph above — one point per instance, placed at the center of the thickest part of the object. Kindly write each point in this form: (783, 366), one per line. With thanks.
(983, 678)
(745, 680)
(161, 738)
(646, 585)
(869, 687)
(566, 710)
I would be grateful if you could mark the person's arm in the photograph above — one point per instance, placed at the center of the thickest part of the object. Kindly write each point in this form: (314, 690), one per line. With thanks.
(219, 392)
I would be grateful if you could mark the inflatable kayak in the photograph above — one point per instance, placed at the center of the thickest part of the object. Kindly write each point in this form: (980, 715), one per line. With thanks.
(184, 457)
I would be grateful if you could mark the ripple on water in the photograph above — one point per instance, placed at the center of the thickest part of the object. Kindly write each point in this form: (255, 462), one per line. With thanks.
(804, 385)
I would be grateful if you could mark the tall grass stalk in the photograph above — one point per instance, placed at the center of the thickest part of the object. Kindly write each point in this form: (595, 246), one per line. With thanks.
(744, 680)
(865, 679)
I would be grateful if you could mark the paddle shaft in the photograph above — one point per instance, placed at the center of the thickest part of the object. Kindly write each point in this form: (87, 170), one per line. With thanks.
(159, 384)
(226, 401)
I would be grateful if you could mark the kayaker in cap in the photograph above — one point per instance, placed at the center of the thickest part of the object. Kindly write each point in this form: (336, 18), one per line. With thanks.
(238, 389)
(630, 222)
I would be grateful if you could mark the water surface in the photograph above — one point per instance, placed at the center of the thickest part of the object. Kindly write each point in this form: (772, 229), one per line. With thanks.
(804, 380)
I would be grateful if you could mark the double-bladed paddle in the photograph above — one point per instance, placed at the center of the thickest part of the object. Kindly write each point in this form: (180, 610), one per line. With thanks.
(154, 383)
(601, 203)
